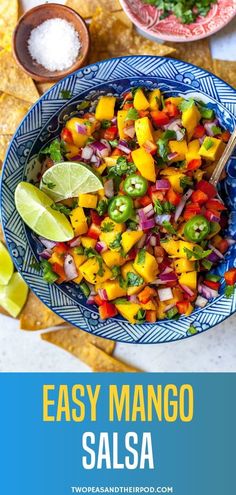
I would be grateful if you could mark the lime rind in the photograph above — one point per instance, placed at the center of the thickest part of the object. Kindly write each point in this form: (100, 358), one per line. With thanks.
(68, 180)
(13, 296)
(34, 207)
(6, 265)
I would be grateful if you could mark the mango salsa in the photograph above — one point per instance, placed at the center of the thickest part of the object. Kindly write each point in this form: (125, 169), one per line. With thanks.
(105, 108)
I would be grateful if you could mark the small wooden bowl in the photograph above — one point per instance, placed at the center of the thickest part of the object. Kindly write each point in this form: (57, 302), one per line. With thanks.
(33, 18)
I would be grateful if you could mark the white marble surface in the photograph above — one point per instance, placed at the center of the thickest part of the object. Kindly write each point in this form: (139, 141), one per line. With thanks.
(214, 350)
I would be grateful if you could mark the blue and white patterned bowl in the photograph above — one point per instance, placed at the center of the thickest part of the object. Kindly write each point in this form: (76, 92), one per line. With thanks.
(44, 122)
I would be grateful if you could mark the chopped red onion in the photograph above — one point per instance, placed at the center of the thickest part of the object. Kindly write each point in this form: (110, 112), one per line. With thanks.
(91, 299)
(165, 294)
(100, 149)
(153, 241)
(133, 298)
(180, 133)
(87, 153)
(103, 294)
(147, 224)
(159, 219)
(218, 253)
(201, 302)
(147, 208)
(187, 290)
(173, 155)
(162, 185)
(114, 120)
(70, 268)
(129, 131)
(45, 254)
(208, 293)
(141, 242)
(96, 161)
(91, 288)
(109, 188)
(208, 127)
(202, 139)
(168, 277)
(158, 281)
(48, 244)
(213, 258)
(174, 125)
(167, 269)
(212, 217)
(123, 146)
(101, 247)
(75, 242)
(182, 203)
(169, 306)
(107, 144)
(81, 129)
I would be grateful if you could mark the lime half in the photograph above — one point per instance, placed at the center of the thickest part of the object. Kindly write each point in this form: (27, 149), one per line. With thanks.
(68, 180)
(34, 207)
(6, 265)
(13, 296)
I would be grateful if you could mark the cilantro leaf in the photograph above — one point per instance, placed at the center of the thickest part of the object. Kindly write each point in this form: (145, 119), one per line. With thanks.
(140, 316)
(132, 114)
(102, 207)
(49, 185)
(116, 244)
(107, 227)
(197, 252)
(162, 143)
(55, 150)
(141, 257)
(122, 167)
(208, 143)
(186, 104)
(113, 143)
(65, 94)
(134, 280)
(91, 253)
(229, 290)
(105, 124)
(84, 104)
(61, 208)
(170, 229)
(216, 130)
(186, 182)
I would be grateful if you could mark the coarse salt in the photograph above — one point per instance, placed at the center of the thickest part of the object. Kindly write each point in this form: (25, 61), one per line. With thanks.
(55, 44)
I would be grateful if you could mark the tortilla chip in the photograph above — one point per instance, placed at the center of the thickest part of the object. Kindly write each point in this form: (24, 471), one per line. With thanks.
(75, 336)
(36, 316)
(4, 143)
(113, 31)
(8, 20)
(43, 87)
(14, 81)
(72, 341)
(194, 52)
(226, 70)
(87, 8)
(12, 111)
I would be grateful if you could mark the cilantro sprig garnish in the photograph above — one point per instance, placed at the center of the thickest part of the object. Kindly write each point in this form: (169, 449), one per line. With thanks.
(183, 9)
(55, 150)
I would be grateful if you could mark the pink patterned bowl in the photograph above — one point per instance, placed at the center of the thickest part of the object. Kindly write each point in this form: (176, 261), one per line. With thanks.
(147, 18)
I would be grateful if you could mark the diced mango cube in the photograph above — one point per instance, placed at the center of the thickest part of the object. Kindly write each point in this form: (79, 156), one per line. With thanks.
(154, 99)
(211, 149)
(144, 130)
(79, 259)
(71, 150)
(113, 258)
(113, 289)
(144, 163)
(80, 139)
(189, 279)
(186, 245)
(128, 267)
(88, 200)
(90, 270)
(176, 100)
(78, 279)
(183, 265)
(146, 266)
(57, 258)
(140, 100)
(128, 310)
(111, 161)
(129, 239)
(121, 118)
(190, 119)
(171, 247)
(88, 242)
(79, 221)
(179, 147)
(101, 169)
(105, 108)
(175, 181)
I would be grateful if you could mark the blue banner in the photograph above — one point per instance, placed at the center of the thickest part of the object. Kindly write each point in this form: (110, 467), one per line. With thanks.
(117, 433)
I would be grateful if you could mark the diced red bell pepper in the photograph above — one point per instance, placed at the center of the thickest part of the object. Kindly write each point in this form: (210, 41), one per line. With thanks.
(223, 246)
(215, 204)
(59, 270)
(145, 201)
(171, 109)
(191, 210)
(95, 217)
(60, 248)
(173, 197)
(151, 316)
(182, 307)
(150, 147)
(189, 298)
(194, 164)
(230, 276)
(143, 113)
(66, 136)
(212, 285)
(146, 294)
(111, 133)
(159, 117)
(127, 105)
(107, 310)
(199, 197)
(207, 188)
(212, 215)
(116, 152)
(94, 231)
(225, 136)
(199, 131)
(98, 300)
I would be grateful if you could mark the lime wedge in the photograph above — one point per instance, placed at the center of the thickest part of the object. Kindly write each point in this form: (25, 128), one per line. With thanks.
(6, 265)
(68, 180)
(34, 207)
(13, 295)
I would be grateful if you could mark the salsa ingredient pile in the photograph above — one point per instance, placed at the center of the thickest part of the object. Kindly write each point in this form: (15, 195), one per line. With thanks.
(186, 10)
(124, 208)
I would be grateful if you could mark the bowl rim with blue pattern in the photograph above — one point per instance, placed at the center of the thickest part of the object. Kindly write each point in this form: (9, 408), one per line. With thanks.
(44, 121)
